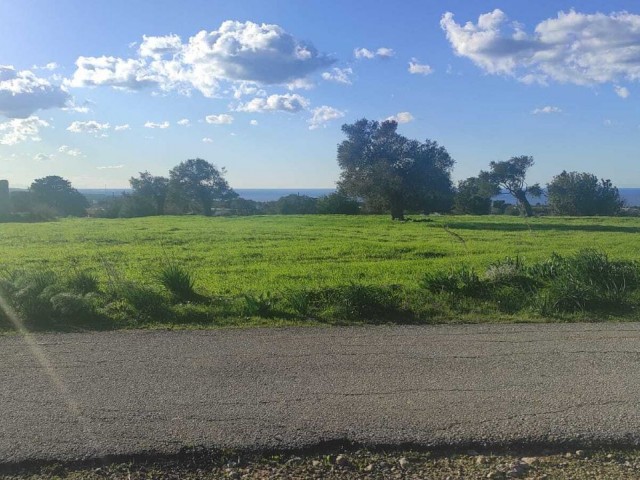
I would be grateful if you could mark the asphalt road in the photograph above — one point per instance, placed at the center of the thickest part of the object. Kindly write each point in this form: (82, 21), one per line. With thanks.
(80, 396)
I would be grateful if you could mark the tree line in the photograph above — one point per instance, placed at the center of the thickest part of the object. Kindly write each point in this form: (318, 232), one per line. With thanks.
(381, 172)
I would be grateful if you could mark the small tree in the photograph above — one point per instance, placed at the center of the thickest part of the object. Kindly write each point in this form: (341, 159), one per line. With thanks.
(338, 203)
(510, 175)
(295, 204)
(573, 193)
(57, 193)
(155, 189)
(473, 196)
(390, 171)
(200, 182)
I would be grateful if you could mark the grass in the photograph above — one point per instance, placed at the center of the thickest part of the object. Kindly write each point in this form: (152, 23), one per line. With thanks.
(300, 269)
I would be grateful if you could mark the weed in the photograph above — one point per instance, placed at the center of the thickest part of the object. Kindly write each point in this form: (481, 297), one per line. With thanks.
(179, 281)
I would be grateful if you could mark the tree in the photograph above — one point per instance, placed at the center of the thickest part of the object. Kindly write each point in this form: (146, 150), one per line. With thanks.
(57, 193)
(200, 182)
(473, 196)
(337, 203)
(387, 170)
(155, 189)
(295, 204)
(510, 175)
(579, 194)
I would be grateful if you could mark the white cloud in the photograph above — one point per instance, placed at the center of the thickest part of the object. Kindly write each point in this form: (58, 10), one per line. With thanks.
(322, 115)
(382, 52)
(401, 117)
(42, 157)
(339, 75)
(573, 47)
(110, 167)
(622, 92)
(289, 102)
(120, 128)
(162, 125)
(299, 84)
(74, 152)
(222, 119)
(246, 88)
(237, 52)
(547, 109)
(19, 130)
(185, 122)
(417, 68)
(253, 123)
(22, 93)
(90, 126)
(51, 66)
(207, 140)
(607, 122)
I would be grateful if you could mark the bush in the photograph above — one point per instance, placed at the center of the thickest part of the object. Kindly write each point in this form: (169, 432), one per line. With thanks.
(262, 305)
(83, 282)
(461, 281)
(337, 203)
(178, 281)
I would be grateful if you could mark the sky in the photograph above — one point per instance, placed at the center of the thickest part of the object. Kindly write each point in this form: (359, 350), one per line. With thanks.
(99, 91)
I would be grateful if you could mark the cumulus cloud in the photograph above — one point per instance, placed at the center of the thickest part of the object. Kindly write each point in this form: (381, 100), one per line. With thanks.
(573, 47)
(162, 125)
(19, 130)
(207, 140)
(110, 167)
(546, 110)
(222, 119)
(66, 149)
(417, 68)
(253, 123)
(322, 115)
(22, 93)
(382, 52)
(299, 84)
(184, 122)
(236, 52)
(120, 128)
(622, 92)
(289, 102)
(90, 126)
(401, 117)
(339, 75)
(42, 157)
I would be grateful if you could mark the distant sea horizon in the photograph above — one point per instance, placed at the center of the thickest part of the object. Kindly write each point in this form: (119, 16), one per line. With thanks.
(631, 196)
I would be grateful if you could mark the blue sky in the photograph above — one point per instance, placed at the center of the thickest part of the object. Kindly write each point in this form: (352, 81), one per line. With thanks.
(98, 91)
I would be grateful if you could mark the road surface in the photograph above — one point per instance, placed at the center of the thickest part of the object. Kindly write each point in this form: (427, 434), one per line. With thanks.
(69, 397)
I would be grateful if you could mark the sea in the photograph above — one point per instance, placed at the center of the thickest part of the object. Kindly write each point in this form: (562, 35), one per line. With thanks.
(631, 196)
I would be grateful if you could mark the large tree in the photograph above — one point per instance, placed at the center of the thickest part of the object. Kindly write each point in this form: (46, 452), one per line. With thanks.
(573, 193)
(390, 171)
(200, 182)
(473, 196)
(57, 193)
(510, 176)
(153, 188)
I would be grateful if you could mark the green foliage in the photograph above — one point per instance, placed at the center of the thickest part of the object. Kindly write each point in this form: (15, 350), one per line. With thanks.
(337, 203)
(295, 205)
(83, 282)
(473, 196)
(262, 305)
(57, 193)
(153, 189)
(510, 175)
(579, 194)
(459, 281)
(197, 183)
(390, 171)
(178, 280)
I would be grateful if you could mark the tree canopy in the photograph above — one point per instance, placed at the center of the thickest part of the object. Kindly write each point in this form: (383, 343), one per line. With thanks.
(473, 196)
(390, 171)
(201, 183)
(57, 193)
(510, 175)
(152, 188)
(573, 193)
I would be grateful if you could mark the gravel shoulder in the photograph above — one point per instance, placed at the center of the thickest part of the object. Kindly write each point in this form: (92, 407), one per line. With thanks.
(82, 397)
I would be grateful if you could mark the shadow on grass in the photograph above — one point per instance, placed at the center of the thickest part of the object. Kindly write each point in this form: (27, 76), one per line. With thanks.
(519, 227)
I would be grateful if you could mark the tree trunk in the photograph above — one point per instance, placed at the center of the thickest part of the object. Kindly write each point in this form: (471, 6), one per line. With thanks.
(397, 212)
(524, 202)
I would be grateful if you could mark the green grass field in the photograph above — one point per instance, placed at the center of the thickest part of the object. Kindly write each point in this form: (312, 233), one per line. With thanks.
(277, 254)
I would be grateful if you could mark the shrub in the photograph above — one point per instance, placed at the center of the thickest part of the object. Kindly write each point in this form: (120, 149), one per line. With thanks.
(262, 305)
(83, 282)
(461, 281)
(178, 281)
